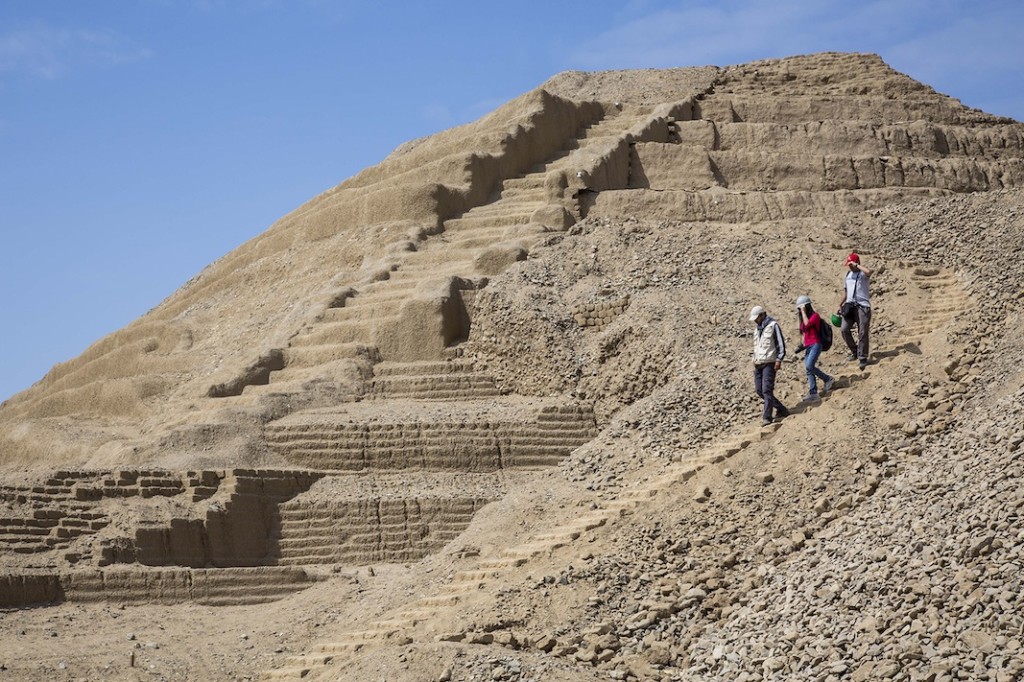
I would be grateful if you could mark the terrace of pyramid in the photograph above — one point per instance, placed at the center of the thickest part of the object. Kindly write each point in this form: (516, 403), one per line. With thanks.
(484, 411)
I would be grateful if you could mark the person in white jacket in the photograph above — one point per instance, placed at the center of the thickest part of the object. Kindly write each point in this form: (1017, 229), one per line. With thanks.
(769, 352)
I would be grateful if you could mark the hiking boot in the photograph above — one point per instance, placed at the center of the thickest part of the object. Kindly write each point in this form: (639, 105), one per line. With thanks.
(766, 422)
(829, 383)
(863, 364)
(811, 398)
(852, 357)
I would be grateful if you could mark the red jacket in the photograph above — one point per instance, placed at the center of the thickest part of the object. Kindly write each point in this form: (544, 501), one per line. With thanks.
(811, 330)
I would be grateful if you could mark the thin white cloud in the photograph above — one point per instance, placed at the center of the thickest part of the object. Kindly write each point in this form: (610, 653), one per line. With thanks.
(48, 52)
(484, 106)
(328, 8)
(686, 34)
(727, 32)
(963, 53)
(436, 113)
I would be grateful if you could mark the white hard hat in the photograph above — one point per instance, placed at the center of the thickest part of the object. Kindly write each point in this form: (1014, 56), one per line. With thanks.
(802, 301)
(756, 312)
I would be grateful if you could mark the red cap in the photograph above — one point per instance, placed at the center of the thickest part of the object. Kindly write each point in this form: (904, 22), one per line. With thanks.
(852, 258)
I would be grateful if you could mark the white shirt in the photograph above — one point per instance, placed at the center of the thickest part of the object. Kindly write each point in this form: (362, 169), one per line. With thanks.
(857, 289)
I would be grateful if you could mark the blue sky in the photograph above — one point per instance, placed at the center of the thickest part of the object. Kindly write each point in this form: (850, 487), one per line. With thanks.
(140, 141)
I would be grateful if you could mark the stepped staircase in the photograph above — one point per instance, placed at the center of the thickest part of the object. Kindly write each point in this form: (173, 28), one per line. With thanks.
(352, 325)
(50, 516)
(366, 531)
(64, 511)
(440, 380)
(758, 149)
(420, 417)
(941, 296)
(414, 418)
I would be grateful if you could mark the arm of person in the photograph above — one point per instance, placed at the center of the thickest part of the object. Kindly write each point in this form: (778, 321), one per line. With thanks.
(780, 344)
(861, 268)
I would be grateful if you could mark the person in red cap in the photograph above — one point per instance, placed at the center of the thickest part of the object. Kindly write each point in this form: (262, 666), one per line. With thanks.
(855, 309)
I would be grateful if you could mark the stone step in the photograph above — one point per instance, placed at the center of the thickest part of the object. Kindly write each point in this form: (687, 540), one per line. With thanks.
(227, 586)
(741, 207)
(440, 373)
(363, 548)
(439, 601)
(317, 355)
(438, 434)
(622, 504)
(370, 294)
(928, 318)
(278, 386)
(936, 282)
(855, 138)
(670, 166)
(427, 257)
(361, 556)
(530, 183)
(475, 576)
(527, 234)
(426, 368)
(363, 313)
(399, 292)
(420, 270)
(352, 640)
(514, 410)
(804, 108)
(507, 206)
(351, 331)
(292, 672)
(515, 216)
(424, 459)
(386, 514)
(427, 382)
(311, 537)
(335, 372)
(918, 331)
(435, 394)
(352, 525)
(420, 275)
(530, 193)
(481, 447)
(467, 435)
(457, 239)
(945, 308)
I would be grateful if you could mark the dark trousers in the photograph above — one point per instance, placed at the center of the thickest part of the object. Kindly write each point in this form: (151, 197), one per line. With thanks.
(764, 385)
(861, 348)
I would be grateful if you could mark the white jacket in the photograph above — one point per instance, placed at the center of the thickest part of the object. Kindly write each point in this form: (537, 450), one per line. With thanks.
(769, 346)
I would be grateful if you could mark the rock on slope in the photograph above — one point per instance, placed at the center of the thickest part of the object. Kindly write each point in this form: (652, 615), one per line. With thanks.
(873, 536)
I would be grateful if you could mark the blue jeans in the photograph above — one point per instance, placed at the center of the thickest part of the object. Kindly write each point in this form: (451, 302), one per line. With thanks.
(810, 360)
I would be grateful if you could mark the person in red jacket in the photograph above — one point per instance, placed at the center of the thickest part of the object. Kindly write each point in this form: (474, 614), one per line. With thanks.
(810, 327)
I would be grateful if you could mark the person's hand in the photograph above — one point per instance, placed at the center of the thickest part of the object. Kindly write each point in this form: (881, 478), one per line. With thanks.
(778, 365)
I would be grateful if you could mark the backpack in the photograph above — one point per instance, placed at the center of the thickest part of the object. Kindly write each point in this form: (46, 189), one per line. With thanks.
(824, 334)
